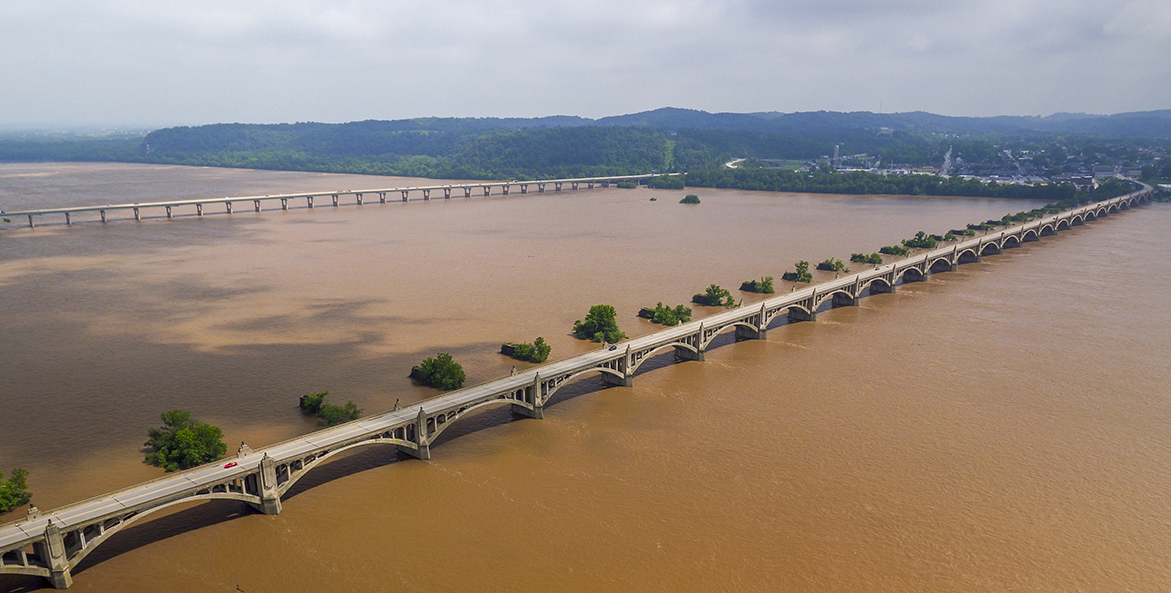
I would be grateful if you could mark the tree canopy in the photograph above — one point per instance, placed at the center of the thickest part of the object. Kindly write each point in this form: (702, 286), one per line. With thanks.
(14, 491)
(183, 442)
(440, 371)
(600, 325)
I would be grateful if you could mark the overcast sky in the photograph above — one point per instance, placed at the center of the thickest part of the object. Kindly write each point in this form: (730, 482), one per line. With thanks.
(151, 63)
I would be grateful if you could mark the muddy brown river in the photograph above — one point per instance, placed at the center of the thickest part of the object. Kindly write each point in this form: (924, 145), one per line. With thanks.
(1000, 428)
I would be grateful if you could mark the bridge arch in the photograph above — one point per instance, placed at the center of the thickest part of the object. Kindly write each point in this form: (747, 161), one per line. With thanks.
(1063, 225)
(657, 349)
(934, 264)
(722, 329)
(990, 247)
(910, 274)
(1010, 242)
(967, 256)
(822, 298)
(306, 467)
(109, 532)
(874, 280)
(548, 396)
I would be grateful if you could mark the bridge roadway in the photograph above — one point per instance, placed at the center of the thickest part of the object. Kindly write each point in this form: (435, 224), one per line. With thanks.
(51, 544)
(357, 194)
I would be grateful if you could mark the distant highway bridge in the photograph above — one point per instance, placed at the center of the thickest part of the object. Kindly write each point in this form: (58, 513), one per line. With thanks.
(51, 544)
(358, 196)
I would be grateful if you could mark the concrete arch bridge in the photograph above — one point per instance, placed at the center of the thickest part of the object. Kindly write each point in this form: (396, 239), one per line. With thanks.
(51, 544)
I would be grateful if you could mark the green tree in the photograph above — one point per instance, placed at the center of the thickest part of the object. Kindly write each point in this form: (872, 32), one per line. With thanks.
(537, 351)
(801, 274)
(601, 324)
(924, 241)
(14, 491)
(690, 199)
(311, 403)
(440, 371)
(764, 285)
(331, 414)
(183, 442)
(665, 315)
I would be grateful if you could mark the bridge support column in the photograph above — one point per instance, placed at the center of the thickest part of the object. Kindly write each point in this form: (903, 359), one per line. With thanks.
(557, 186)
(284, 203)
(137, 217)
(228, 204)
(256, 205)
(424, 447)
(447, 193)
(270, 501)
(573, 185)
(467, 192)
(169, 212)
(688, 354)
(540, 188)
(505, 188)
(52, 551)
(67, 221)
(381, 197)
(309, 201)
(335, 200)
(104, 213)
(405, 192)
(198, 212)
(359, 197)
(487, 191)
(426, 194)
(532, 396)
(624, 381)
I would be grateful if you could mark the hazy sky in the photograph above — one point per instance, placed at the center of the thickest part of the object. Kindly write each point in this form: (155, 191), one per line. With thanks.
(154, 63)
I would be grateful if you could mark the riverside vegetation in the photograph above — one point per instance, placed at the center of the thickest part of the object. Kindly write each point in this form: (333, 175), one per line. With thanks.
(762, 286)
(715, 296)
(800, 273)
(665, 315)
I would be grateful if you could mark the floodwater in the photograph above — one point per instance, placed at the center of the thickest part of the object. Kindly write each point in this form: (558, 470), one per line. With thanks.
(1000, 428)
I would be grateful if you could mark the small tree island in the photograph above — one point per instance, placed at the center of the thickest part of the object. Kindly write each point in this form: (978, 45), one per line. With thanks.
(862, 258)
(800, 275)
(600, 325)
(666, 315)
(440, 371)
(328, 414)
(715, 296)
(762, 286)
(690, 199)
(538, 351)
(183, 442)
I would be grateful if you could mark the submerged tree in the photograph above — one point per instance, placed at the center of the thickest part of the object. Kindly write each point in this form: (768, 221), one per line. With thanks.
(183, 442)
(14, 491)
(440, 371)
(600, 324)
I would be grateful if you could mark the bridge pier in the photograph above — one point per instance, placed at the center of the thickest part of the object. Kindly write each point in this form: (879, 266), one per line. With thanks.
(228, 204)
(137, 217)
(256, 205)
(881, 288)
(335, 200)
(270, 501)
(487, 191)
(359, 198)
(745, 333)
(52, 551)
(309, 201)
(447, 193)
(198, 212)
(540, 188)
(573, 185)
(284, 203)
(557, 186)
(844, 300)
(405, 192)
(467, 192)
(169, 212)
(104, 213)
(505, 188)
(381, 197)
(420, 429)
(426, 194)
(67, 221)
(687, 354)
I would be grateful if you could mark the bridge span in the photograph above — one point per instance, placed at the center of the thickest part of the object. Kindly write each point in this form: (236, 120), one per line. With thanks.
(51, 544)
(357, 195)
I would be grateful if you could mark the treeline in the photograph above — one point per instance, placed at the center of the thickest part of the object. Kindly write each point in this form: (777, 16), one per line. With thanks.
(871, 183)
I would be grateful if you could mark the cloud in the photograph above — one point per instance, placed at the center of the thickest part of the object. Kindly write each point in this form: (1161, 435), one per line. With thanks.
(132, 61)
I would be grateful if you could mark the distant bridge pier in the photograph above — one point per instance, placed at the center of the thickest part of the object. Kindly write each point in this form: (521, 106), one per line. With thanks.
(226, 204)
(198, 212)
(426, 194)
(309, 201)
(505, 188)
(104, 213)
(67, 221)
(540, 188)
(447, 193)
(31, 224)
(284, 203)
(256, 205)
(335, 200)
(359, 198)
(557, 186)
(590, 185)
(467, 192)
(524, 188)
(405, 192)
(137, 217)
(381, 197)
